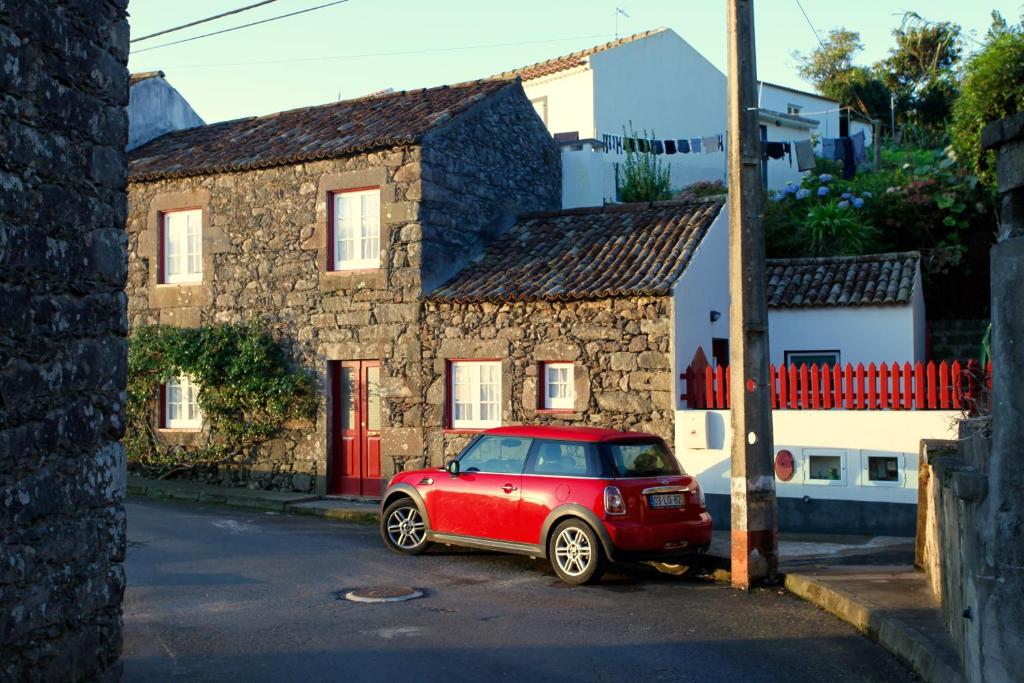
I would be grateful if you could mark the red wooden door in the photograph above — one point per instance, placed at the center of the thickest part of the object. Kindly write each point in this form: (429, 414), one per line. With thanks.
(355, 425)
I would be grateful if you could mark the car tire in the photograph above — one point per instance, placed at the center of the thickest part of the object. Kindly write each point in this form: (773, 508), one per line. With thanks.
(403, 528)
(575, 552)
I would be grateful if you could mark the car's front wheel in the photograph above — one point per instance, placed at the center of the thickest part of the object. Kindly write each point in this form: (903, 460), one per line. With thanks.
(575, 552)
(402, 527)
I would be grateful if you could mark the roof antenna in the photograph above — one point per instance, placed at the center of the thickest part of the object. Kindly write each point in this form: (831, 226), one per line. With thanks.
(618, 11)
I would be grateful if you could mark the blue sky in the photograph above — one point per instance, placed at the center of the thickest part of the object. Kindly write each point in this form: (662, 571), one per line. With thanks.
(342, 51)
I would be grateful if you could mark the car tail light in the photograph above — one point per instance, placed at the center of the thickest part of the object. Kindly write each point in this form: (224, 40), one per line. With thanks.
(700, 495)
(614, 503)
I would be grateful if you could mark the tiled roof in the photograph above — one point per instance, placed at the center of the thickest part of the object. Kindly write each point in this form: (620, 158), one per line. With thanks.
(612, 251)
(323, 132)
(797, 91)
(868, 280)
(139, 76)
(569, 61)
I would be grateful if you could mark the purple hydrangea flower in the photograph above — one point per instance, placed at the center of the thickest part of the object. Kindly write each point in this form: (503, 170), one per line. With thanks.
(844, 204)
(858, 203)
(822, 191)
(846, 195)
(802, 193)
(866, 195)
(790, 188)
(825, 178)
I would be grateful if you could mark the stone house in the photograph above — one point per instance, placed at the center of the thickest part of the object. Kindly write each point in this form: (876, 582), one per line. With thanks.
(580, 316)
(331, 222)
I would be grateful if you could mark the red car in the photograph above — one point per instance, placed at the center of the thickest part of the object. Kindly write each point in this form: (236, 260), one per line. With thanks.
(578, 496)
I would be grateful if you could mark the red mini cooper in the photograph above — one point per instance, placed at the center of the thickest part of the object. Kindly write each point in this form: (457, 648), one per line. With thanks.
(578, 496)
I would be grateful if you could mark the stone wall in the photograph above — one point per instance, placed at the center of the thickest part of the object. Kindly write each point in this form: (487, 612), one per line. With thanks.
(620, 349)
(63, 129)
(264, 249)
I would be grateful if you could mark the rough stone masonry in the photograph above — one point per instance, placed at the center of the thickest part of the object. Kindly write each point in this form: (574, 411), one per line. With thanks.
(63, 128)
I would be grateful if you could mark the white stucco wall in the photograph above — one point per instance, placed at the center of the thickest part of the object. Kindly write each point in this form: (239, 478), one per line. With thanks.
(820, 109)
(862, 334)
(587, 178)
(570, 100)
(852, 434)
(703, 287)
(156, 108)
(781, 171)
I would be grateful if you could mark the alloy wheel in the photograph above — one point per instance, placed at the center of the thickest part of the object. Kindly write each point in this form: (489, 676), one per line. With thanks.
(405, 528)
(573, 552)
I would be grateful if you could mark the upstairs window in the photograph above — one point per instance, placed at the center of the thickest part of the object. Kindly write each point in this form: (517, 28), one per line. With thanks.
(557, 390)
(355, 230)
(793, 109)
(181, 404)
(181, 260)
(475, 394)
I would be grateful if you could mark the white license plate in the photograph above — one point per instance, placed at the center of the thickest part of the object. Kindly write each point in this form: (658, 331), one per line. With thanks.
(666, 500)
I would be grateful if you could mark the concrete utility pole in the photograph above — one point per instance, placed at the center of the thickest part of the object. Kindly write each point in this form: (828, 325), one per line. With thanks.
(754, 511)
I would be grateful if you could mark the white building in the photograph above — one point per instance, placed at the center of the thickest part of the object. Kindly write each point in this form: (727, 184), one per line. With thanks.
(655, 80)
(156, 108)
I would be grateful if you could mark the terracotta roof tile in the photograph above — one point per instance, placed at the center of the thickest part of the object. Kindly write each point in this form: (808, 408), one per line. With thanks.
(868, 280)
(595, 253)
(140, 76)
(569, 61)
(323, 132)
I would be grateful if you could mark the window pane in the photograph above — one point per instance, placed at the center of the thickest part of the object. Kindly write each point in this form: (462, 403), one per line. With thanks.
(348, 398)
(503, 455)
(827, 467)
(560, 457)
(463, 391)
(373, 398)
(649, 459)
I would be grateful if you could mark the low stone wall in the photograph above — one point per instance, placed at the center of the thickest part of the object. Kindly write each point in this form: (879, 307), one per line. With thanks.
(620, 349)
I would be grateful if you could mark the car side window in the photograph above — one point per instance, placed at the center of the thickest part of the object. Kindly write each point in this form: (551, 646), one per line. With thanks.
(496, 454)
(564, 458)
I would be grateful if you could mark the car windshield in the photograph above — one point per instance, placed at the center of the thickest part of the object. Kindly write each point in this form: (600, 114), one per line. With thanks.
(646, 459)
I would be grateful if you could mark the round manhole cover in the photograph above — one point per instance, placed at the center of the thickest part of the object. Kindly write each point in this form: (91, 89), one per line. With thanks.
(383, 594)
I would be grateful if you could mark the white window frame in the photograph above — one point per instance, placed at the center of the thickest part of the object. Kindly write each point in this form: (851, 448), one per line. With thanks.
(865, 472)
(188, 392)
(183, 230)
(468, 373)
(792, 357)
(808, 453)
(794, 109)
(540, 105)
(567, 402)
(355, 226)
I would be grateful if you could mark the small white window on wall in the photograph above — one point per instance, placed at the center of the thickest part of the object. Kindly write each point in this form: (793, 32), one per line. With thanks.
(824, 466)
(355, 230)
(881, 468)
(181, 404)
(810, 358)
(181, 247)
(475, 394)
(557, 386)
(793, 109)
(541, 105)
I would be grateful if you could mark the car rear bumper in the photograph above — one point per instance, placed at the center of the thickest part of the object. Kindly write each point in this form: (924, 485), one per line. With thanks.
(632, 541)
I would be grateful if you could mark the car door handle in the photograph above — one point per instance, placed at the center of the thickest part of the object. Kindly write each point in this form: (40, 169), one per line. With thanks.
(508, 488)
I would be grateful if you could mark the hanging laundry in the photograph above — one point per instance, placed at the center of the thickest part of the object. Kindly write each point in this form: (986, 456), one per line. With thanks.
(670, 146)
(787, 148)
(721, 143)
(804, 155)
(849, 162)
(644, 146)
(683, 146)
(828, 148)
(710, 144)
(629, 144)
(774, 150)
(659, 147)
(859, 154)
(695, 145)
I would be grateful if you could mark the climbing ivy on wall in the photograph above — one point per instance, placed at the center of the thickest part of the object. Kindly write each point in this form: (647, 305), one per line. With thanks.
(248, 390)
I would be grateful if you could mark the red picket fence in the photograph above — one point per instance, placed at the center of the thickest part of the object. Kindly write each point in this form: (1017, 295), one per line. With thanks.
(945, 386)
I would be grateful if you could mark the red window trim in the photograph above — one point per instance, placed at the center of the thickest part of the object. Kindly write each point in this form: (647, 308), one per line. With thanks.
(541, 382)
(448, 428)
(330, 229)
(160, 239)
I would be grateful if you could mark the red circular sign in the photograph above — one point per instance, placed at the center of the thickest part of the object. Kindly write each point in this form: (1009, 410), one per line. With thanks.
(784, 465)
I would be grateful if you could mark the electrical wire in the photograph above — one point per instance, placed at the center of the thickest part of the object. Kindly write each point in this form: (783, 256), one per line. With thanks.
(235, 28)
(202, 21)
(384, 54)
(808, 19)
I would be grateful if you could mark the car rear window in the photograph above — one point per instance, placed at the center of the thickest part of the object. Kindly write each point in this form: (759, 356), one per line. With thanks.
(644, 459)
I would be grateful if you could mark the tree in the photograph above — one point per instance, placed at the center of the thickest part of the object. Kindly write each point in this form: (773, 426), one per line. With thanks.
(831, 69)
(644, 177)
(992, 88)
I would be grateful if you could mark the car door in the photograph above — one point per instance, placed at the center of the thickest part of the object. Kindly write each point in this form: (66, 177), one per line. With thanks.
(483, 500)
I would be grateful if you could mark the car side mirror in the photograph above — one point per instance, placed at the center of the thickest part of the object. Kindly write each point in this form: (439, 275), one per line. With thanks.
(453, 467)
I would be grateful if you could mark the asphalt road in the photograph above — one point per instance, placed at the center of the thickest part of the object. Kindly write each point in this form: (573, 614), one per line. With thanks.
(218, 594)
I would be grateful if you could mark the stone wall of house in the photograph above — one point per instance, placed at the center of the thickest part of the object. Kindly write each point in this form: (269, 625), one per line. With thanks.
(63, 128)
(480, 172)
(620, 349)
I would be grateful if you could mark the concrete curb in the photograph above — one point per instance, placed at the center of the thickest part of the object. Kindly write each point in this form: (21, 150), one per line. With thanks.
(240, 498)
(357, 516)
(910, 646)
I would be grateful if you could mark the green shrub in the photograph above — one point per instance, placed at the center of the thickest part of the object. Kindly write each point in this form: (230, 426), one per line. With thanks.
(248, 390)
(833, 228)
(644, 177)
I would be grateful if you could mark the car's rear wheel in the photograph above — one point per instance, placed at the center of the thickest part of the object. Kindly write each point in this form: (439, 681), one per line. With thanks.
(402, 527)
(575, 552)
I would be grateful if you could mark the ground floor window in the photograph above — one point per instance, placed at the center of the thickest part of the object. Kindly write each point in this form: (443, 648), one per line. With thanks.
(475, 394)
(181, 404)
(810, 358)
(556, 389)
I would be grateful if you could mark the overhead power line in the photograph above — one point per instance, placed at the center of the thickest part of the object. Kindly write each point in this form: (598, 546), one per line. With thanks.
(202, 21)
(236, 28)
(808, 19)
(396, 53)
